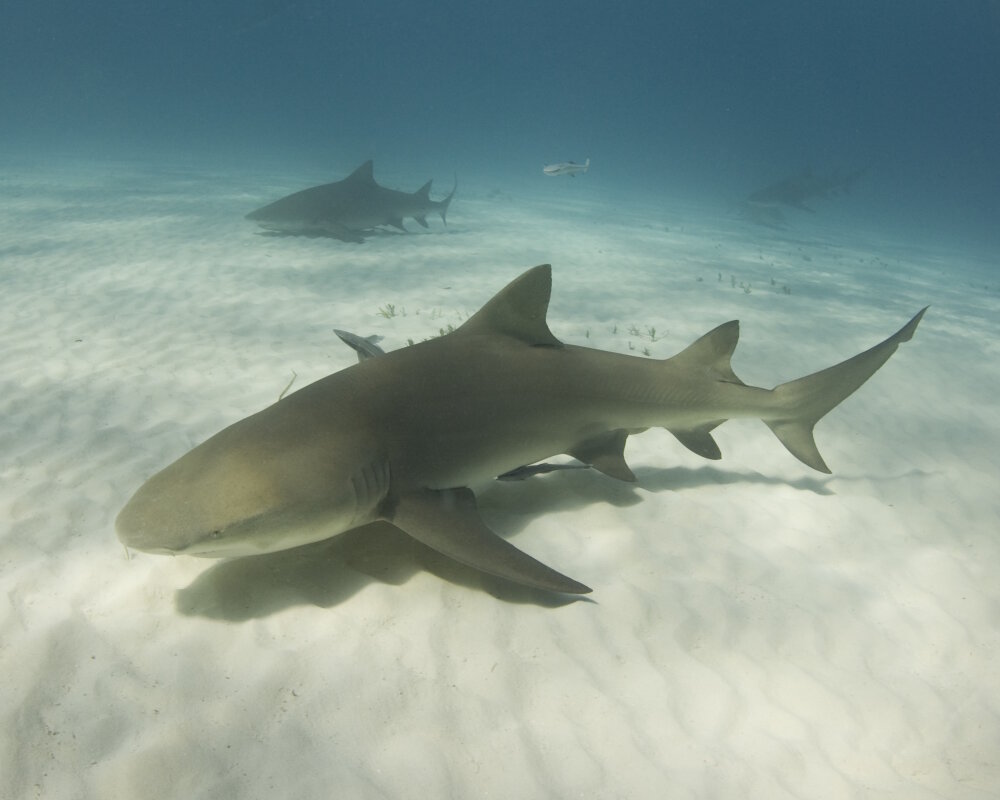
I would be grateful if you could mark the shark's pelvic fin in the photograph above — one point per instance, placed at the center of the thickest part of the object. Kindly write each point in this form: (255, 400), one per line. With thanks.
(449, 522)
(808, 399)
(518, 310)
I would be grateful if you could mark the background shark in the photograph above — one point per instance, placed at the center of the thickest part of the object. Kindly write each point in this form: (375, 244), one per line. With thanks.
(570, 168)
(349, 208)
(764, 206)
(401, 436)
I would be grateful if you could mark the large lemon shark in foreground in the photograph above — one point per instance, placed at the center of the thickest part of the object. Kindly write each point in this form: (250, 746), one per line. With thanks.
(400, 437)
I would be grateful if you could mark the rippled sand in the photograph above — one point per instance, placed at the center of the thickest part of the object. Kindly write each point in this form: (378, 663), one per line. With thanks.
(757, 630)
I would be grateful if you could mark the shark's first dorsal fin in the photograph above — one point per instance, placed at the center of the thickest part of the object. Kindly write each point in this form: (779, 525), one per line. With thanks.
(518, 310)
(713, 352)
(363, 174)
(424, 192)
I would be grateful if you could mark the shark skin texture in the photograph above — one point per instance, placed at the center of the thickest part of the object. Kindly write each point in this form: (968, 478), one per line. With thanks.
(401, 436)
(349, 209)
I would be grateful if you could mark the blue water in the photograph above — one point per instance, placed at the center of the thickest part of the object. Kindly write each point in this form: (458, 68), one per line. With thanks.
(706, 100)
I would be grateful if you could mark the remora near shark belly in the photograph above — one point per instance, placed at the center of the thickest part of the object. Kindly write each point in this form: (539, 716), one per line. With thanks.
(400, 437)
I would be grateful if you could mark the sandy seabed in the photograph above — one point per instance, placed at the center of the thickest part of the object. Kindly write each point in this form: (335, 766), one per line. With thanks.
(757, 630)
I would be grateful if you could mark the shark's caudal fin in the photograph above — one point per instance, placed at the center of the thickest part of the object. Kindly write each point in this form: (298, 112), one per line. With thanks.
(442, 206)
(424, 195)
(808, 399)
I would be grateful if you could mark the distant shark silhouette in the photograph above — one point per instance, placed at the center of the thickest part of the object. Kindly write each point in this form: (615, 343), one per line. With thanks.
(349, 209)
(764, 205)
(401, 436)
(570, 168)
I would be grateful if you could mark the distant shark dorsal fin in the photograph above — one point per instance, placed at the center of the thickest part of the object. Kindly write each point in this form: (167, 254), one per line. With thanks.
(713, 351)
(518, 310)
(363, 174)
(424, 192)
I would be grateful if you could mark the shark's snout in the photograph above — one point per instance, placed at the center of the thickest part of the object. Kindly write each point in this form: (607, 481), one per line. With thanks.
(140, 526)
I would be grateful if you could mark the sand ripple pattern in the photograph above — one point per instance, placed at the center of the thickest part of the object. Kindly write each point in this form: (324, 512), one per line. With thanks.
(756, 631)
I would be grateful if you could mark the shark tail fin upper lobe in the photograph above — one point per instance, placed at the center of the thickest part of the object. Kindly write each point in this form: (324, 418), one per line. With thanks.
(442, 205)
(808, 399)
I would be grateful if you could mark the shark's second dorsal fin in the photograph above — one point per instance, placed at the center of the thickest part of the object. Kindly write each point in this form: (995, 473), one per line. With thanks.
(518, 310)
(363, 174)
(714, 352)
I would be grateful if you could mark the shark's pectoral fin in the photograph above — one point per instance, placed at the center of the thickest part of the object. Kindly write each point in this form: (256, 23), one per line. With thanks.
(397, 223)
(699, 440)
(422, 222)
(449, 522)
(605, 453)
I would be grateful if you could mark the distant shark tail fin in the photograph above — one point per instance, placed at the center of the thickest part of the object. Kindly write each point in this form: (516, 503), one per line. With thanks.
(443, 205)
(806, 400)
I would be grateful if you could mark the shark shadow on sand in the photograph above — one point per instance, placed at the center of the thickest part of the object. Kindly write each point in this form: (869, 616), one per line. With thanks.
(331, 572)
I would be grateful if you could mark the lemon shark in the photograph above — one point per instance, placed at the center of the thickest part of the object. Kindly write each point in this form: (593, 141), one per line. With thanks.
(349, 208)
(402, 436)
(764, 205)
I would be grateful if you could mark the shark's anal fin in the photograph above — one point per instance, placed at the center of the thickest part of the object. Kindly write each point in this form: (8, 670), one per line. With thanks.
(448, 521)
(605, 453)
(699, 440)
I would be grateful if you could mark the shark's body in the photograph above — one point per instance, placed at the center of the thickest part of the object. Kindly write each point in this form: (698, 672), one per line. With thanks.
(348, 209)
(570, 168)
(401, 436)
(765, 205)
